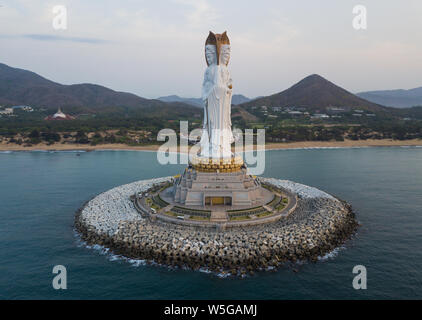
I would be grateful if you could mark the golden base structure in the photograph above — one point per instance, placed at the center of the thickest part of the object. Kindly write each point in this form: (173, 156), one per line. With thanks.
(202, 164)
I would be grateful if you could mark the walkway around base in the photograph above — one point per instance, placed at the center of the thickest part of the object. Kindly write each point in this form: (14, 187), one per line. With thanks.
(219, 219)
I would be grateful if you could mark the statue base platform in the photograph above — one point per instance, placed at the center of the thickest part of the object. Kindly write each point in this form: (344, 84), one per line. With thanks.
(218, 185)
(135, 221)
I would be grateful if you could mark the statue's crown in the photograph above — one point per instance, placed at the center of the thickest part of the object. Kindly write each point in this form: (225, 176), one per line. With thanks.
(211, 39)
(217, 39)
(222, 38)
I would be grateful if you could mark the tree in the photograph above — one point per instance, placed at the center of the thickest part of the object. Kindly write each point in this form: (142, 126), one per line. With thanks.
(34, 134)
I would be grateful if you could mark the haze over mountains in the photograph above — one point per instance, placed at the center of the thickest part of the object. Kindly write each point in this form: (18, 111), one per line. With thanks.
(236, 99)
(18, 86)
(399, 98)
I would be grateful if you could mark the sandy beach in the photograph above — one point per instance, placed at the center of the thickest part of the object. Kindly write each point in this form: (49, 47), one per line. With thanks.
(268, 146)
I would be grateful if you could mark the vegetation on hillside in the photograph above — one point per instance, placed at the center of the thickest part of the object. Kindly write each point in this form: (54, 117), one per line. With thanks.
(314, 109)
(141, 128)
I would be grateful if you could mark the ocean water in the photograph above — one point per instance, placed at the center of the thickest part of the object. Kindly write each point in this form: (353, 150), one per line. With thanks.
(40, 192)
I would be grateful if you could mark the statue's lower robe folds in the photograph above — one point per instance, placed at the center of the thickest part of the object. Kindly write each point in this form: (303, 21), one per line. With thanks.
(217, 135)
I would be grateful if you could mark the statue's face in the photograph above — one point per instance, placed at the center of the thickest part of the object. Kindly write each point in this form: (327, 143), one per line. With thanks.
(211, 54)
(225, 54)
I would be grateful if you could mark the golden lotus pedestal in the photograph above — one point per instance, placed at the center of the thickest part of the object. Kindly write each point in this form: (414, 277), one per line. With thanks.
(209, 182)
(232, 164)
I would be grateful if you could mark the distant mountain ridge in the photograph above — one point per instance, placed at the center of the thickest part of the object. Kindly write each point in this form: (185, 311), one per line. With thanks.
(197, 102)
(19, 86)
(399, 98)
(316, 93)
(22, 87)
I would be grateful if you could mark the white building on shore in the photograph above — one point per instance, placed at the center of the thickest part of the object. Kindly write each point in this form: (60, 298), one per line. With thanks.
(59, 115)
(7, 111)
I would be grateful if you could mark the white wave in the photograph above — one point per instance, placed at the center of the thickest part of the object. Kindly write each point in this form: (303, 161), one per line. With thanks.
(410, 147)
(204, 270)
(113, 257)
(332, 254)
(117, 150)
(6, 152)
(224, 274)
(137, 262)
(68, 151)
(317, 148)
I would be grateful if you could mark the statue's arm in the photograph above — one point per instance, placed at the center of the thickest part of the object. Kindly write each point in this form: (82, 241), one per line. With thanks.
(208, 84)
(205, 86)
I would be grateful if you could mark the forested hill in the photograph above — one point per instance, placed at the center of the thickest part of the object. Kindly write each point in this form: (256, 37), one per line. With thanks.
(315, 93)
(23, 87)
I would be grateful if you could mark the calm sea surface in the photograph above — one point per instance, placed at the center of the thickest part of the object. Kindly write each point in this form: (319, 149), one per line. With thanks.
(40, 192)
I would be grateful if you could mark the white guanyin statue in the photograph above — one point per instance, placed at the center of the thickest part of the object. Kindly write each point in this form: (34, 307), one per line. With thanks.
(217, 135)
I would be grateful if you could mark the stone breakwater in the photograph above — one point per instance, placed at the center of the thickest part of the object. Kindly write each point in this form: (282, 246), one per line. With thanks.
(319, 224)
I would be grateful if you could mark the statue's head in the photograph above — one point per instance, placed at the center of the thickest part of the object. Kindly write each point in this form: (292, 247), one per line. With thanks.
(221, 44)
(211, 54)
(224, 54)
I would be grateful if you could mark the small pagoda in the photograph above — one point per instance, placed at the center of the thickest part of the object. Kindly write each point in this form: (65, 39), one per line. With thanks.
(59, 115)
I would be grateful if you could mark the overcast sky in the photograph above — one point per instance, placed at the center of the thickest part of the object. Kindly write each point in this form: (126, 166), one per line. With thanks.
(155, 48)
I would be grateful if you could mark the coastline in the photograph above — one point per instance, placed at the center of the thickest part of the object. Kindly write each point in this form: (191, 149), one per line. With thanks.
(268, 146)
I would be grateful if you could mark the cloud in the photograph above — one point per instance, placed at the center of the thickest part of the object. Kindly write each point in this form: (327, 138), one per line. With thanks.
(201, 13)
(49, 37)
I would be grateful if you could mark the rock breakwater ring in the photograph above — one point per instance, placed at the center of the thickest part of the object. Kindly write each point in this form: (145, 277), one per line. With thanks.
(318, 224)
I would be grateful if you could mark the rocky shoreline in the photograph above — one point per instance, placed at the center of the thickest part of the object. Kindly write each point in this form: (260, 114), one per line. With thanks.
(319, 224)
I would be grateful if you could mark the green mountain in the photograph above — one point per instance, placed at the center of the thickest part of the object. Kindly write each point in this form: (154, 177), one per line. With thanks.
(23, 87)
(315, 93)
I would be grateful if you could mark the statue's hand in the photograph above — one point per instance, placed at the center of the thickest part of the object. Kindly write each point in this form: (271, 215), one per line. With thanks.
(230, 83)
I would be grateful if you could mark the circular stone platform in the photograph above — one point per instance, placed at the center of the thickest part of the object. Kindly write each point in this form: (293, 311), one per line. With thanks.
(313, 225)
(160, 205)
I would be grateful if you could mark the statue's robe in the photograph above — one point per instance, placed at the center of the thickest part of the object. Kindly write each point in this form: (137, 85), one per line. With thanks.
(217, 95)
